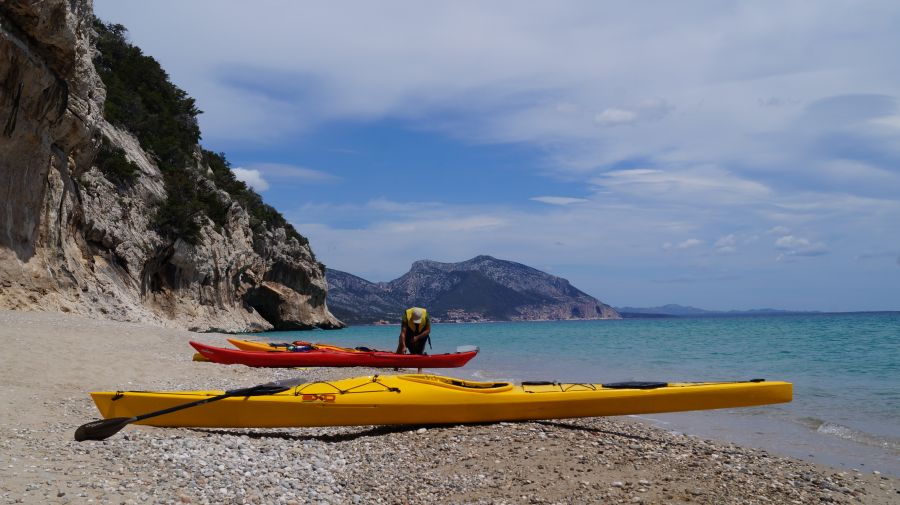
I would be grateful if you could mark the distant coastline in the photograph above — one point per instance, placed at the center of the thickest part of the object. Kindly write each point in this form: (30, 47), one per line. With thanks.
(648, 315)
(641, 315)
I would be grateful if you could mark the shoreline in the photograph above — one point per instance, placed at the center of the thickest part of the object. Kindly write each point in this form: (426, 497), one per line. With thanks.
(767, 433)
(52, 361)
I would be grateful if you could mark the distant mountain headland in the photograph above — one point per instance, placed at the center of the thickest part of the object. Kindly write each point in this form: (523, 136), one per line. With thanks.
(480, 289)
(674, 310)
(110, 206)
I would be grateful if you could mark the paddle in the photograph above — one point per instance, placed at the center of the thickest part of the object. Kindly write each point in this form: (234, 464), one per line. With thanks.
(105, 428)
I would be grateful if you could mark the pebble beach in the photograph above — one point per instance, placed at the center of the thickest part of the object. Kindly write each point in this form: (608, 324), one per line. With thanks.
(51, 361)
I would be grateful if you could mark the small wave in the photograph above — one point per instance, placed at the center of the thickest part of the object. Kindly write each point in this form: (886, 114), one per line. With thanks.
(847, 433)
(812, 423)
(651, 419)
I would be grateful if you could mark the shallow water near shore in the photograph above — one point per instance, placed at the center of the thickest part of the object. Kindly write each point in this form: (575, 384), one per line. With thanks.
(845, 369)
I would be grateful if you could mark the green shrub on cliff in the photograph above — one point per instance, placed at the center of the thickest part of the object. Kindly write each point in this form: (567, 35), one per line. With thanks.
(141, 99)
(115, 166)
(262, 215)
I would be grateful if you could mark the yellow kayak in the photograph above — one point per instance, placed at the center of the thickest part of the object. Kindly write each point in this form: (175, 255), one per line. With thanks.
(430, 399)
(254, 345)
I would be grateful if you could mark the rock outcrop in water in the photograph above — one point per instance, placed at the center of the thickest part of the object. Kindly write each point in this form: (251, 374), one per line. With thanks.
(482, 288)
(99, 217)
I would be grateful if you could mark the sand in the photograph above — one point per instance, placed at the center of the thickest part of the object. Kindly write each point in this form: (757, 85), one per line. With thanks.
(51, 361)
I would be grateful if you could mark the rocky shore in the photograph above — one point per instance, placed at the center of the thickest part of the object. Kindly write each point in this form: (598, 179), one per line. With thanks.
(50, 362)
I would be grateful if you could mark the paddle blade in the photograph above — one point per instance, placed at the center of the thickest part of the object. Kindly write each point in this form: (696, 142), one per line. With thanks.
(101, 429)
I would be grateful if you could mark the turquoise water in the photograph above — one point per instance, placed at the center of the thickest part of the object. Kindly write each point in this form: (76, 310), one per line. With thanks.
(845, 368)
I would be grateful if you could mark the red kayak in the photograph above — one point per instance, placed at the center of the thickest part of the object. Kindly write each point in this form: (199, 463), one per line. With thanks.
(325, 357)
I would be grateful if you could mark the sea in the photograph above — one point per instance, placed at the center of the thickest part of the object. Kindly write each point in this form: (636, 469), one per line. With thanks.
(845, 369)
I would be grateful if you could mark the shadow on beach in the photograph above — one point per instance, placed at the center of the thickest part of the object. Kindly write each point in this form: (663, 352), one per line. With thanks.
(378, 431)
(328, 437)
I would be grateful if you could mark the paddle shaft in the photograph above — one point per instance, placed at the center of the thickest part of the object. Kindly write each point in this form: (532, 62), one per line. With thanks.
(184, 406)
(261, 390)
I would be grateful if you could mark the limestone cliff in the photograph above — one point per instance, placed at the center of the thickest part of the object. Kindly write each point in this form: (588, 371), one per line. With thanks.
(78, 238)
(479, 289)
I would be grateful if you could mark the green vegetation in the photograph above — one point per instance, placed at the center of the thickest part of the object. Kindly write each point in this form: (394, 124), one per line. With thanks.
(262, 216)
(115, 166)
(141, 99)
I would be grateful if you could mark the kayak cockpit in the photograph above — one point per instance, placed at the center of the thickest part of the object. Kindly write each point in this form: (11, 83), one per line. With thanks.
(458, 384)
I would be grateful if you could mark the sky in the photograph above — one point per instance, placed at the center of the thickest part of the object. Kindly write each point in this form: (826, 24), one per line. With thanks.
(723, 155)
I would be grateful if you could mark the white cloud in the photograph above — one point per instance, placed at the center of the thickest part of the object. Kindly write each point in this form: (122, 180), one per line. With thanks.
(380, 207)
(892, 121)
(427, 227)
(391, 206)
(566, 108)
(252, 178)
(726, 244)
(711, 185)
(284, 171)
(646, 110)
(614, 117)
(779, 230)
(799, 246)
(558, 200)
(860, 177)
(685, 244)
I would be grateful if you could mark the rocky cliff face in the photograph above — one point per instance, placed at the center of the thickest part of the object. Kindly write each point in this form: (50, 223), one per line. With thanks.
(483, 288)
(74, 239)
